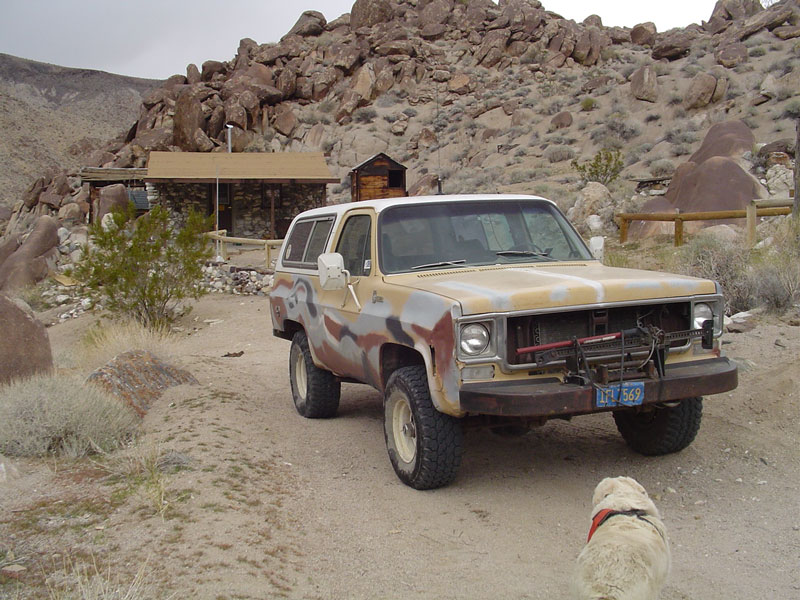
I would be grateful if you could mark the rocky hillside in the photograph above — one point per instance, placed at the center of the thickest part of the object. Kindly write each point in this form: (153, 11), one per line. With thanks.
(489, 97)
(53, 117)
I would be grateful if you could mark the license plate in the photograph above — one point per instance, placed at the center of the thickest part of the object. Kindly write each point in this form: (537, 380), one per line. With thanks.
(628, 393)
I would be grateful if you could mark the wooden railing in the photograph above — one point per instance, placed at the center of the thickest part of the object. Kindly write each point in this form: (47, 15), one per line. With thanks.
(756, 208)
(271, 247)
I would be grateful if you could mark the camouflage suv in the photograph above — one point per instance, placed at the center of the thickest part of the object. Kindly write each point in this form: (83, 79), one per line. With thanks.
(491, 311)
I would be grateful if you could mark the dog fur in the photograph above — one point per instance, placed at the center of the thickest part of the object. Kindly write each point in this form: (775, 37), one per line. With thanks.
(627, 557)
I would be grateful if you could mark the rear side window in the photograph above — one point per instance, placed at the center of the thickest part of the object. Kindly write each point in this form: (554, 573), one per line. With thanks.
(307, 241)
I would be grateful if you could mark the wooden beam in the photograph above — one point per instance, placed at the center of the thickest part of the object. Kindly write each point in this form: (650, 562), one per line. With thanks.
(796, 207)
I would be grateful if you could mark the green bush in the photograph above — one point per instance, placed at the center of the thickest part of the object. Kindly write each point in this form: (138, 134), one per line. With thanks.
(588, 104)
(605, 167)
(143, 267)
(54, 415)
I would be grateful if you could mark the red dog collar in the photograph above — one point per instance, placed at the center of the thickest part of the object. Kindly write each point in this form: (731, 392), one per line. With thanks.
(605, 514)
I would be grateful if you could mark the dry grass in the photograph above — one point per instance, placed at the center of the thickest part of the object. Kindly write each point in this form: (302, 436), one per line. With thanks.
(57, 415)
(108, 339)
(89, 582)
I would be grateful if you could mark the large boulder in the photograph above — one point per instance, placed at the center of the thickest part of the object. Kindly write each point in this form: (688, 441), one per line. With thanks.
(138, 377)
(24, 345)
(711, 180)
(112, 197)
(644, 85)
(593, 211)
(700, 91)
(188, 116)
(33, 259)
(311, 22)
(643, 34)
(366, 13)
(730, 55)
(673, 45)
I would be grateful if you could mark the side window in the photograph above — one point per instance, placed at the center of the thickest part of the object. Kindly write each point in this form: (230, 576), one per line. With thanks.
(354, 245)
(307, 241)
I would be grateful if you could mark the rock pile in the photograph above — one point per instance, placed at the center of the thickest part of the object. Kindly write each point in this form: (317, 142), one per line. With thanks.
(247, 281)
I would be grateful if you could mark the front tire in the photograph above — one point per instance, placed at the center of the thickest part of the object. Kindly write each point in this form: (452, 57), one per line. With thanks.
(424, 445)
(663, 430)
(315, 391)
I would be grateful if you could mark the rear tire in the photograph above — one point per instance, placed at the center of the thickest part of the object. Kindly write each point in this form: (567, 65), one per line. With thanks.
(424, 445)
(663, 430)
(315, 391)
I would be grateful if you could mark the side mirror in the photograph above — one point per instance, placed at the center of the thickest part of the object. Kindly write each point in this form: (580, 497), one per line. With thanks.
(332, 275)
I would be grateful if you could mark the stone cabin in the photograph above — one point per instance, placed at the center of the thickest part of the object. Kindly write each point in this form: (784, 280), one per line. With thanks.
(257, 193)
(378, 177)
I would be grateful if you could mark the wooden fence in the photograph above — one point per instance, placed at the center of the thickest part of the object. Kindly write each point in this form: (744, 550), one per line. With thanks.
(755, 209)
(271, 247)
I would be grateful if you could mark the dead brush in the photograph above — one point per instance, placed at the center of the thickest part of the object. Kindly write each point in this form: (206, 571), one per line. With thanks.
(105, 340)
(776, 268)
(57, 415)
(144, 469)
(90, 582)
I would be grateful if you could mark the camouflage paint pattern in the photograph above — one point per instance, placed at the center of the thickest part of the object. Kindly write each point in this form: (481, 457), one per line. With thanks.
(421, 310)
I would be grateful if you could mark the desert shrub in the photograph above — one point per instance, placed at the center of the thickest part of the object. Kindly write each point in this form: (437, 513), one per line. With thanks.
(757, 51)
(662, 168)
(56, 415)
(588, 104)
(652, 117)
(622, 128)
(605, 167)
(144, 267)
(410, 112)
(727, 264)
(556, 154)
(776, 271)
(327, 106)
(365, 114)
(792, 109)
(680, 149)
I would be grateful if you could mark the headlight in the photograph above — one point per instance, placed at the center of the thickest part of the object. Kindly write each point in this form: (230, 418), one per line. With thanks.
(702, 312)
(474, 339)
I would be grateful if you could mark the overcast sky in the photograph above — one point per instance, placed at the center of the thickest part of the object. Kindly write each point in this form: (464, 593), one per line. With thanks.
(158, 38)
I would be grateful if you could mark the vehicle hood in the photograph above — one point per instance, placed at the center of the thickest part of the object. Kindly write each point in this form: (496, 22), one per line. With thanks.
(549, 285)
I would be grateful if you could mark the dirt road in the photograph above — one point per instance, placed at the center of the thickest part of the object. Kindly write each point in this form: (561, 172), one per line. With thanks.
(276, 505)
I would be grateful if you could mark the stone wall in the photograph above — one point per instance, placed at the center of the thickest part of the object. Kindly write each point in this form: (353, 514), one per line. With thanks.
(250, 204)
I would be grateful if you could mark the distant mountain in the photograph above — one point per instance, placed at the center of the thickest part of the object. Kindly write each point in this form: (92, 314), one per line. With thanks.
(52, 117)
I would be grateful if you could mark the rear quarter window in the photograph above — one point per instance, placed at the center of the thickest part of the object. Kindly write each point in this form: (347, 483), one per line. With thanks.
(307, 241)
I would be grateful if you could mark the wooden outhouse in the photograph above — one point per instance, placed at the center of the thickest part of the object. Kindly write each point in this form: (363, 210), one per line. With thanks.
(378, 177)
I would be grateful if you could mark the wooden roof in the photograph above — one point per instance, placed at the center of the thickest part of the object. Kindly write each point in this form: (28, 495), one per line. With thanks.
(105, 175)
(207, 167)
(379, 155)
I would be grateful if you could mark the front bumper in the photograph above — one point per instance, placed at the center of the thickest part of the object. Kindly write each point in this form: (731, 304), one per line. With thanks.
(550, 398)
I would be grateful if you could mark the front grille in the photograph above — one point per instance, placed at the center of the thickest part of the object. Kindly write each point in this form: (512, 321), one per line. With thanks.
(536, 330)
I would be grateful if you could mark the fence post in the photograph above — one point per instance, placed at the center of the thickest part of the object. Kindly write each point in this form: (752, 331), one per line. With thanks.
(796, 206)
(678, 231)
(752, 219)
(623, 230)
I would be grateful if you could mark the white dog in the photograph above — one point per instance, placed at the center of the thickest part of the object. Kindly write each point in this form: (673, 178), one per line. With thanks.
(627, 555)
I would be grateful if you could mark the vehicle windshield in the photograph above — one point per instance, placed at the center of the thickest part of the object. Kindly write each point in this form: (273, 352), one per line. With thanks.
(452, 235)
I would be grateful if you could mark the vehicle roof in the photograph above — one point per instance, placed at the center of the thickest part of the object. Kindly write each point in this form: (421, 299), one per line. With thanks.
(381, 204)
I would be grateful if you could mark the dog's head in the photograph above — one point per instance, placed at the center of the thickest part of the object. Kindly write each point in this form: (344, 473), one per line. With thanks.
(622, 493)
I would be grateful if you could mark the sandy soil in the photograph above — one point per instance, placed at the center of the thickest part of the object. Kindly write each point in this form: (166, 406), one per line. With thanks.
(276, 505)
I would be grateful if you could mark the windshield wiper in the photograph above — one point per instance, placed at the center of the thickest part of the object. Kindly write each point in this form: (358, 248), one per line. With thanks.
(524, 253)
(443, 263)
